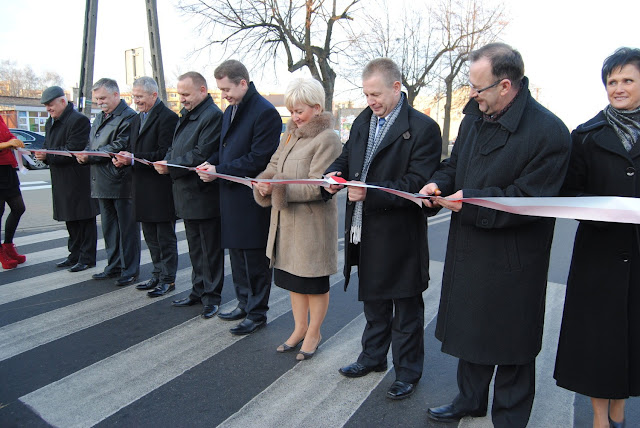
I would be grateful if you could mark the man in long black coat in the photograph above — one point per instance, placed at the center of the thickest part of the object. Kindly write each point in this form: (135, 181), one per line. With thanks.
(66, 129)
(495, 275)
(151, 135)
(390, 145)
(250, 135)
(196, 138)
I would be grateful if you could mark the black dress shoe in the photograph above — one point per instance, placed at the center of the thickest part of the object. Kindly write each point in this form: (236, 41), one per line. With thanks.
(209, 311)
(358, 370)
(187, 301)
(66, 263)
(78, 267)
(236, 314)
(162, 289)
(400, 390)
(448, 413)
(126, 280)
(149, 285)
(247, 326)
(105, 275)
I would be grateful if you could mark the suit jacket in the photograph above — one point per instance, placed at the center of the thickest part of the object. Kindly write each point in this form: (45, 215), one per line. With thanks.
(195, 140)
(70, 183)
(152, 193)
(393, 258)
(246, 146)
(111, 135)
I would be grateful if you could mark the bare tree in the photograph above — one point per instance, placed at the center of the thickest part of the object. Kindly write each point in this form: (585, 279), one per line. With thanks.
(303, 30)
(479, 25)
(23, 81)
(412, 36)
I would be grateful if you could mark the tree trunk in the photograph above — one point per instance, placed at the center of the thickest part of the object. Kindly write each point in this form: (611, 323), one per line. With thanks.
(446, 124)
(411, 95)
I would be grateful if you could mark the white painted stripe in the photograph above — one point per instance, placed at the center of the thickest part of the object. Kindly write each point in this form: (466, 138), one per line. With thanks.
(313, 393)
(32, 183)
(94, 393)
(25, 188)
(53, 281)
(32, 332)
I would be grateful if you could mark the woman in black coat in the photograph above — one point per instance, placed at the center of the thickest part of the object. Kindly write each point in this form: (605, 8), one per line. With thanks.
(599, 346)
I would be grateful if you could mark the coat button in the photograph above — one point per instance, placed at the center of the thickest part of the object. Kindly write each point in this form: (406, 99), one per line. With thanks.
(485, 222)
(98, 134)
(357, 174)
(631, 171)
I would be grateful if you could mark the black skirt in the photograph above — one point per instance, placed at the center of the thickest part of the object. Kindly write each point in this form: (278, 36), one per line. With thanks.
(9, 182)
(301, 285)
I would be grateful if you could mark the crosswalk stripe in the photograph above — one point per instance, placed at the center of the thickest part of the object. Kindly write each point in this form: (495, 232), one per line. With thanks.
(60, 252)
(322, 396)
(53, 281)
(32, 332)
(71, 401)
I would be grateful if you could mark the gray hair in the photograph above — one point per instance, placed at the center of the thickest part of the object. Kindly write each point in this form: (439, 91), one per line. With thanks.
(307, 91)
(109, 85)
(147, 84)
(386, 67)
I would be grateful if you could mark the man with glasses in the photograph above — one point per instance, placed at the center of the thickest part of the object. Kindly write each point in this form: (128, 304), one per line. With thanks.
(495, 275)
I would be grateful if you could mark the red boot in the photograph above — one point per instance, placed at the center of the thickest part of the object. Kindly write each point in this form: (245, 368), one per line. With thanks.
(7, 263)
(10, 252)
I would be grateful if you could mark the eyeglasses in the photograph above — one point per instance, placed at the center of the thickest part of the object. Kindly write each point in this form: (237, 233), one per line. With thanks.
(479, 91)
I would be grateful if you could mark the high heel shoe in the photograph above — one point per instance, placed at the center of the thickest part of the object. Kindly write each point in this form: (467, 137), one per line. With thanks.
(308, 355)
(287, 348)
(614, 424)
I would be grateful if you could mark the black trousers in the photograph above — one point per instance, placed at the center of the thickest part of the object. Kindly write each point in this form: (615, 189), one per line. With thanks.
(252, 281)
(83, 239)
(207, 260)
(514, 390)
(163, 247)
(402, 330)
(121, 235)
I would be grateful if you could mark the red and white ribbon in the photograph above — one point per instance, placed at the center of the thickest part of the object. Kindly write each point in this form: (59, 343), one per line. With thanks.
(615, 209)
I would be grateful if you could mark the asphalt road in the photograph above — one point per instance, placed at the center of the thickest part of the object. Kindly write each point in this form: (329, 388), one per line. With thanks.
(79, 352)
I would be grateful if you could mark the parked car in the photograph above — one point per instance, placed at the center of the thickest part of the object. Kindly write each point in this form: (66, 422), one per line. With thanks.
(31, 140)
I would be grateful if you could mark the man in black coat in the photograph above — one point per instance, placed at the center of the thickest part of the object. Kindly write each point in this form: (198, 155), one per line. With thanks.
(495, 275)
(390, 145)
(151, 135)
(250, 135)
(195, 140)
(112, 186)
(66, 129)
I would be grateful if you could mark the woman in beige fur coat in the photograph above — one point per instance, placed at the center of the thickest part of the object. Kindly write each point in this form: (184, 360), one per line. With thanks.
(303, 234)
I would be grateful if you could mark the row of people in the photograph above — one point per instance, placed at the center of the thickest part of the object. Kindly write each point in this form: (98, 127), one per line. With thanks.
(491, 310)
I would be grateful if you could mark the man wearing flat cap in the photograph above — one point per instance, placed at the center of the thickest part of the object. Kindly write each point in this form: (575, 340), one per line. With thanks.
(66, 129)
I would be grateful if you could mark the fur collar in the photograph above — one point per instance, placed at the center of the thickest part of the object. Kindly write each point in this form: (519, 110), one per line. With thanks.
(316, 125)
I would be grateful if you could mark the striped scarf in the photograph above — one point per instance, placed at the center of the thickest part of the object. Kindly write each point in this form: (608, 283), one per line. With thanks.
(372, 145)
(626, 123)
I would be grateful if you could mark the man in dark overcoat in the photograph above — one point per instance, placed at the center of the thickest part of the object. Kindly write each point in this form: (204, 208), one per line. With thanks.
(495, 275)
(195, 140)
(250, 135)
(391, 145)
(67, 129)
(112, 186)
(151, 136)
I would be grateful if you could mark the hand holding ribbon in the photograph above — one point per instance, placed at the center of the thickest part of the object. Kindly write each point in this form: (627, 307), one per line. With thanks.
(205, 171)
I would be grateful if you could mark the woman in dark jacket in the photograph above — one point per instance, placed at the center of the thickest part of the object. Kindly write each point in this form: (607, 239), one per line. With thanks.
(599, 346)
(10, 193)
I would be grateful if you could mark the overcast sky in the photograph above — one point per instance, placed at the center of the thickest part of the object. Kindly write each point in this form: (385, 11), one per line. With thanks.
(563, 43)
